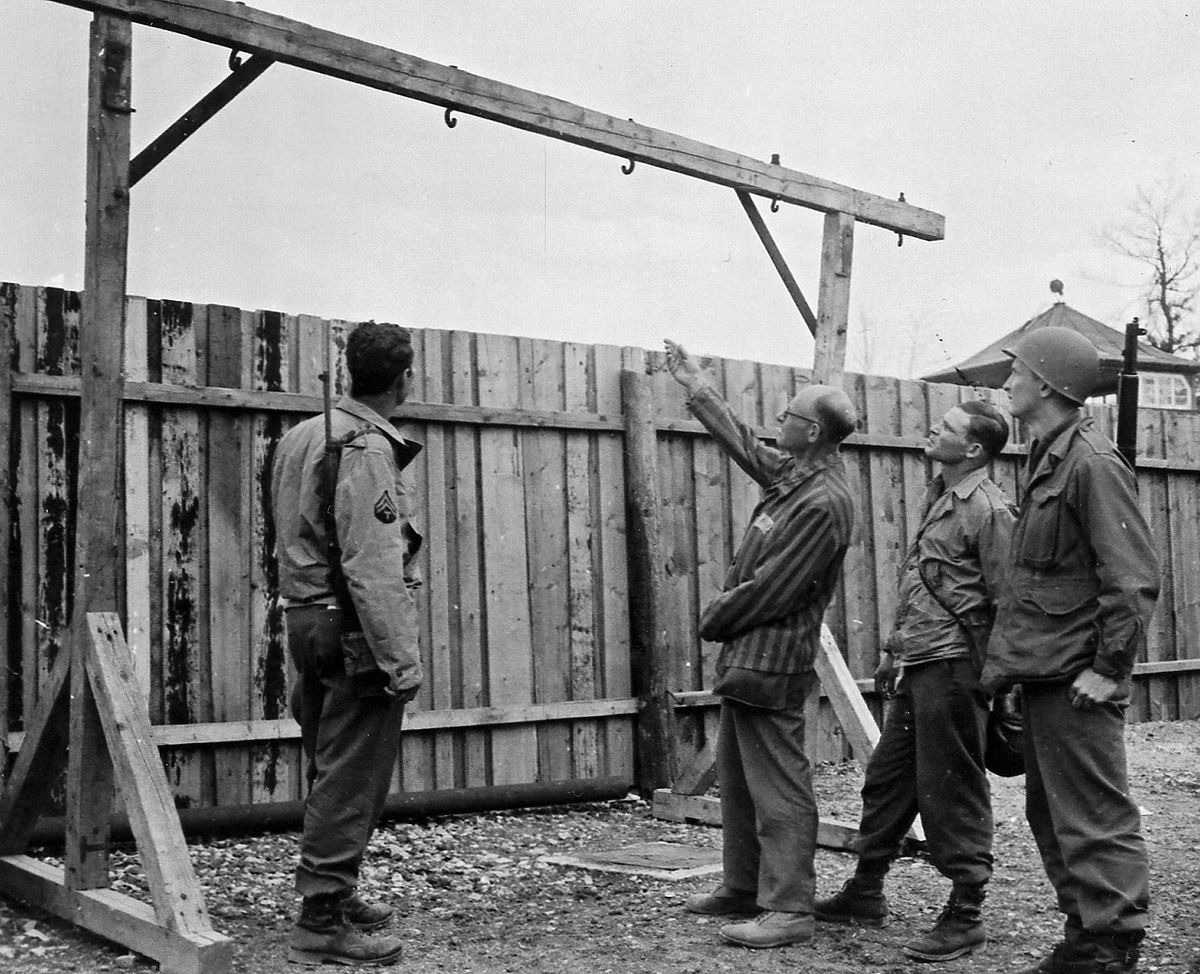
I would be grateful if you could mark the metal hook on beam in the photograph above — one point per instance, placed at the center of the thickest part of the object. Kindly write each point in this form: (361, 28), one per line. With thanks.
(900, 236)
(235, 59)
(451, 121)
(775, 205)
(628, 169)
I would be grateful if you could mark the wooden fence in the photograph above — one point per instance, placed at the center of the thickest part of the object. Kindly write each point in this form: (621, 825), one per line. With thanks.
(522, 486)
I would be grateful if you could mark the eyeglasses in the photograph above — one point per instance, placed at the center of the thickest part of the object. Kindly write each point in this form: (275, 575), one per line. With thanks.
(782, 417)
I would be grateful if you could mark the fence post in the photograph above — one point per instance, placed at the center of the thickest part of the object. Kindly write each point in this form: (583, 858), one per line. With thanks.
(650, 647)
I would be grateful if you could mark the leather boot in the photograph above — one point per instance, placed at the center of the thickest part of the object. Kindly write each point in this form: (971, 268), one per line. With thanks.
(959, 930)
(323, 935)
(1114, 953)
(364, 915)
(771, 929)
(723, 901)
(860, 901)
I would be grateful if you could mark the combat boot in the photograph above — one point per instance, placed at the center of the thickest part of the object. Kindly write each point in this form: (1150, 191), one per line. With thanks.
(1115, 953)
(323, 935)
(860, 901)
(959, 929)
(364, 915)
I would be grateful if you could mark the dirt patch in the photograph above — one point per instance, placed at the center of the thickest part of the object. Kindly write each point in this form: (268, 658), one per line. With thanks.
(474, 894)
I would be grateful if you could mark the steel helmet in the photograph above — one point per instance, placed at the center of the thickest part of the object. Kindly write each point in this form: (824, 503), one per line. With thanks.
(1062, 358)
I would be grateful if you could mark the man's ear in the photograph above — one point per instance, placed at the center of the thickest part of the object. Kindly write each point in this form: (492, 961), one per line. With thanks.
(974, 450)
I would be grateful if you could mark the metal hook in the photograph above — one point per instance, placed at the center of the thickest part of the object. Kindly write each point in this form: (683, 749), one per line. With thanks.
(775, 205)
(628, 169)
(900, 236)
(451, 121)
(235, 59)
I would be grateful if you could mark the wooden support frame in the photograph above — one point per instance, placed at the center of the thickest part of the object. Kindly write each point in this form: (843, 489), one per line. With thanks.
(325, 52)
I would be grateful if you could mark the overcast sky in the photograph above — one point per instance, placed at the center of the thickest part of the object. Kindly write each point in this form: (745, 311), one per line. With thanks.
(1028, 125)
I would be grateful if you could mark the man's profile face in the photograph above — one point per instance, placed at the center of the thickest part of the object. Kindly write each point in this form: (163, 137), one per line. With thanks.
(798, 423)
(949, 441)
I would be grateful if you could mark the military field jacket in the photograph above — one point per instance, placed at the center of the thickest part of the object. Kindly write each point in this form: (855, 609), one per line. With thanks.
(1083, 574)
(372, 510)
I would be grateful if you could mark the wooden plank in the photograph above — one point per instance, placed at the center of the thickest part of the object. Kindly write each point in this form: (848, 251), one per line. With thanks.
(833, 299)
(186, 674)
(1182, 438)
(137, 498)
(703, 810)
(610, 563)
(887, 517)
(27, 549)
(292, 42)
(437, 750)
(858, 582)
(466, 574)
(651, 648)
(272, 767)
(584, 582)
(98, 557)
(836, 680)
(40, 758)
(547, 496)
(505, 563)
(176, 895)
(777, 258)
(227, 561)
(10, 654)
(117, 918)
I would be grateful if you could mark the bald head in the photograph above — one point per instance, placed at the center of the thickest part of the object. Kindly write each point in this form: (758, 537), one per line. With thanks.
(831, 407)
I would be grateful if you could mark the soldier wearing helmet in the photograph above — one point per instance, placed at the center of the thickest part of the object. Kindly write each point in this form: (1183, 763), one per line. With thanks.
(1083, 581)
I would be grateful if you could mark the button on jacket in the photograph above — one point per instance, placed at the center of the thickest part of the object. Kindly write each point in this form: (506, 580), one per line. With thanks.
(371, 507)
(962, 550)
(783, 576)
(1084, 574)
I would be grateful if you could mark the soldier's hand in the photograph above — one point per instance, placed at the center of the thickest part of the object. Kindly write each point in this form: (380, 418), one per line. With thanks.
(682, 366)
(1090, 688)
(885, 675)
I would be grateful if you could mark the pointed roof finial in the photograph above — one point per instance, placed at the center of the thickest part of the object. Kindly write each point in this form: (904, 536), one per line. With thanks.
(1056, 287)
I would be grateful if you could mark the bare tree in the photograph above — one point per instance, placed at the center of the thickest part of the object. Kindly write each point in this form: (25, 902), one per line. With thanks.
(1161, 232)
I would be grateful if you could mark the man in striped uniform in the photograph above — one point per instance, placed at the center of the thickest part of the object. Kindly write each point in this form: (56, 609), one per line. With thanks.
(768, 619)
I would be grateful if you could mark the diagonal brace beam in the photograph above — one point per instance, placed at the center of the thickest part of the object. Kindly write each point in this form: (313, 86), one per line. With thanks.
(180, 131)
(773, 251)
(325, 52)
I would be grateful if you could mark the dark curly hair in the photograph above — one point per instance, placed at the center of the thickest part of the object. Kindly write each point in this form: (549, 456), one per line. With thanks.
(376, 353)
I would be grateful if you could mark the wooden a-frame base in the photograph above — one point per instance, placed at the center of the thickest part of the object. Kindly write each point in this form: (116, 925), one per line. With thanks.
(175, 930)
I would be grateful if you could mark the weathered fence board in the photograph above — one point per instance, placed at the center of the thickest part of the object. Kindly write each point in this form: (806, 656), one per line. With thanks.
(520, 493)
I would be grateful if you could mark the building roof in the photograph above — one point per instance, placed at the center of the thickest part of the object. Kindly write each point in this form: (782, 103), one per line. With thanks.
(990, 366)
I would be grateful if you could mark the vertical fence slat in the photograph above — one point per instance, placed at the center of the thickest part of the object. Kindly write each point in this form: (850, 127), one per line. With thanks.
(9, 436)
(137, 499)
(467, 578)
(28, 549)
(228, 498)
(505, 563)
(547, 498)
(610, 562)
(1180, 443)
(272, 764)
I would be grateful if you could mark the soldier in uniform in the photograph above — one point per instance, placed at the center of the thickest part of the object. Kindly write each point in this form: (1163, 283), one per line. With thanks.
(347, 576)
(930, 756)
(768, 618)
(1083, 580)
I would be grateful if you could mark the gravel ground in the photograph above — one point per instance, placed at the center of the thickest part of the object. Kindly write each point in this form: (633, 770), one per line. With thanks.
(473, 894)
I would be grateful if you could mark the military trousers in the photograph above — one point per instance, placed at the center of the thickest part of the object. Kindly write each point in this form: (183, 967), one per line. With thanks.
(1086, 826)
(768, 811)
(351, 745)
(929, 760)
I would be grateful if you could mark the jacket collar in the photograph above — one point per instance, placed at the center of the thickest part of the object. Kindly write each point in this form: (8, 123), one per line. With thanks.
(1059, 442)
(406, 450)
(801, 472)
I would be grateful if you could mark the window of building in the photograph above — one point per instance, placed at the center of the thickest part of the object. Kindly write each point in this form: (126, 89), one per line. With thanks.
(1164, 390)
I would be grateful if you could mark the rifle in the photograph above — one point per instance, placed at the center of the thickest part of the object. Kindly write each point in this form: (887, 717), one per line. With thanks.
(330, 464)
(1127, 394)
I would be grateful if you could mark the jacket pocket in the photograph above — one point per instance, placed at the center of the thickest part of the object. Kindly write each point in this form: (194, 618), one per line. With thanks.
(1041, 545)
(1060, 597)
